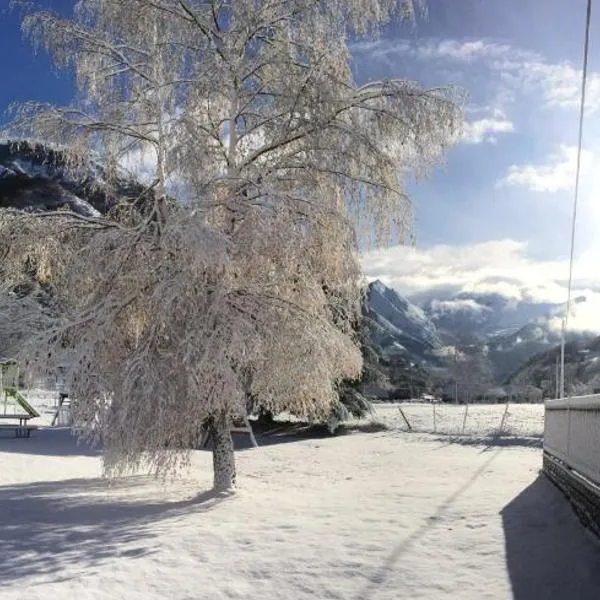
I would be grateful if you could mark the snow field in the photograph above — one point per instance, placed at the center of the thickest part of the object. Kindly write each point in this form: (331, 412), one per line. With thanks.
(378, 516)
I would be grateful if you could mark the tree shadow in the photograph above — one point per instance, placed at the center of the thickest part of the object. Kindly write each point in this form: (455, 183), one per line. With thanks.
(55, 441)
(285, 432)
(47, 526)
(48, 441)
(549, 554)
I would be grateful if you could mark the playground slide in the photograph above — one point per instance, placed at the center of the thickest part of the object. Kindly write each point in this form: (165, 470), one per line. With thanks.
(21, 401)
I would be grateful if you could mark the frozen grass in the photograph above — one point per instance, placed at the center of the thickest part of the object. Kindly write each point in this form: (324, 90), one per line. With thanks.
(364, 516)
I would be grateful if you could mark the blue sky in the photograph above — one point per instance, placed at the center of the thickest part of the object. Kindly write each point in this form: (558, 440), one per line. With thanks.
(508, 184)
(26, 75)
(520, 67)
(496, 217)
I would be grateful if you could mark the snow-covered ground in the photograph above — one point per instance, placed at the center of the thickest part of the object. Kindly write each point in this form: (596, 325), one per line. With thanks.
(367, 516)
(482, 420)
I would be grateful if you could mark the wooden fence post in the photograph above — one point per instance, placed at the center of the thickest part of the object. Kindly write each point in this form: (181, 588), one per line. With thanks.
(405, 419)
(503, 420)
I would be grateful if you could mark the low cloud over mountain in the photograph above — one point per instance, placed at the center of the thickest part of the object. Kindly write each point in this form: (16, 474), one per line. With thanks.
(493, 295)
(465, 282)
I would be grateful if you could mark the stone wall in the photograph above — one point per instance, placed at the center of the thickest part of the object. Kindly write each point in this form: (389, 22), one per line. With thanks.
(581, 493)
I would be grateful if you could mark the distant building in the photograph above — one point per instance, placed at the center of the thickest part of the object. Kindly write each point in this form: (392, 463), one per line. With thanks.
(429, 398)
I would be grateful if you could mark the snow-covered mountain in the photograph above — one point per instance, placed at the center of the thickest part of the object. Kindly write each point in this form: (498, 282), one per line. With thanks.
(34, 177)
(401, 327)
(426, 328)
(508, 351)
(513, 331)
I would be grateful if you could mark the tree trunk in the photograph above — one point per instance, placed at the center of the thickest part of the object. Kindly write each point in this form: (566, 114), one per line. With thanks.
(266, 417)
(223, 454)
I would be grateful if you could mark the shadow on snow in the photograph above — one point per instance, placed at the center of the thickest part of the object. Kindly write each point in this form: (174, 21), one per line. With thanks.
(47, 526)
(379, 578)
(549, 554)
(52, 441)
(48, 441)
(284, 432)
(493, 440)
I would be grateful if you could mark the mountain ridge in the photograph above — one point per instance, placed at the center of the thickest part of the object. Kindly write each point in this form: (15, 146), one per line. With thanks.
(506, 332)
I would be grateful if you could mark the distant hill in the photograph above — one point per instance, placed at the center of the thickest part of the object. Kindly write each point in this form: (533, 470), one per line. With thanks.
(582, 368)
(508, 352)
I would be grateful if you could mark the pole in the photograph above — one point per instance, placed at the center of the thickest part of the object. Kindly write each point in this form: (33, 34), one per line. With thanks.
(455, 376)
(503, 420)
(586, 51)
(557, 385)
(562, 358)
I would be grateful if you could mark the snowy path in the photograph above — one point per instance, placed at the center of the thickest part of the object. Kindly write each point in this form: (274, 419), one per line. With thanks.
(363, 516)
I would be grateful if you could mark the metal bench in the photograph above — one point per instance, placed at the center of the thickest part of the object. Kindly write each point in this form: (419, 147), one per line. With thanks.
(22, 428)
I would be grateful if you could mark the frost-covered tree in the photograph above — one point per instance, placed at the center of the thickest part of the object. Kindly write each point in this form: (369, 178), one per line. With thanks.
(174, 314)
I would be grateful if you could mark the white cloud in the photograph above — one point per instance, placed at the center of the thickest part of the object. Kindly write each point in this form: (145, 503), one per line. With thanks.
(560, 84)
(504, 267)
(557, 174)
(429, 48)
(466, 51)
(457, 305)
(483, 130)
(424, 49)
(513, 70)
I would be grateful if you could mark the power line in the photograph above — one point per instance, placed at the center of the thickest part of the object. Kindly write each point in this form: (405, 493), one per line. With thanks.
(586, 52)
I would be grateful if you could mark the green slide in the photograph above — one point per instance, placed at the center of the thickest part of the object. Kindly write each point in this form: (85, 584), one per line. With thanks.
(21, 401)
(9, 380)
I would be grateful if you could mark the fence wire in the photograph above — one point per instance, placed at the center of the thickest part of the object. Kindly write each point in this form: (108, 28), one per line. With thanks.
(518, 420)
